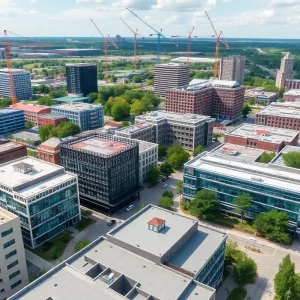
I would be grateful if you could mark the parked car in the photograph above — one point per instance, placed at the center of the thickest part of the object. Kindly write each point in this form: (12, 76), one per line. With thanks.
(164, 179)
(130, 207)
(111, 222)
(165, 185)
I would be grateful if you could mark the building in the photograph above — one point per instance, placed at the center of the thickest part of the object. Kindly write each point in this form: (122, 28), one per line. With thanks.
(81, 78)
(221, 99)
(266, 98)
(143, 132)
(188, 129)
(22, 84)
(286, 71)
(292, 96)
(231, 170)
(87, 116)
(262, 137)
(252, 93)
(292, 84)
(155, 254)
(2, 53)
(50, 151)
(71, 99)
(11, 120)
(285, 105)
(14, 275)
(28, 137)
(32, 111)
(232, 68)
(44, 119)
(10, 150)
(42, 195)
(107, 167)
(167, 76)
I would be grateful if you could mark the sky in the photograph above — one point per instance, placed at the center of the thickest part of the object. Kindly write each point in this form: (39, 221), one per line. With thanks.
(70, 18)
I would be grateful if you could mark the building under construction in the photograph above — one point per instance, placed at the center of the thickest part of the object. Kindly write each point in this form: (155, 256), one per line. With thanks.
(107, 167)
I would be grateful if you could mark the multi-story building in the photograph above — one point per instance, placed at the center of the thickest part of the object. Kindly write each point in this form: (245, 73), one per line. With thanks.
(174, 258)
(167, 76)
(22, 84)
(231, 170)
(286, 71)
(50, 151)
(107, 167)
(232, 68)
(81, 78)
(42, 195)
(292, 84)
(32, 111)
(292, 96)
(252, 92)
(10, 150)
(143, 132)
(2, 53)
(266, 98)
(28, 137)
(188, 129)
(262, 137)
(11, 120)
(53, 119)
(71, 99)
(87, 116)
(14, 275)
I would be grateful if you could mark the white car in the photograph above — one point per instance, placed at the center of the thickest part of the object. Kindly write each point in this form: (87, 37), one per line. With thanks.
(252, 239)
(130, 207)
(165, 185)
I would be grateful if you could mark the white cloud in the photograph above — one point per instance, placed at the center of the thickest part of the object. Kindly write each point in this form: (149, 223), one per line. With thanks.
(284, 2)
(134, 4)
(90, 1)
(78, 14)
(33, 1)
(183, 5)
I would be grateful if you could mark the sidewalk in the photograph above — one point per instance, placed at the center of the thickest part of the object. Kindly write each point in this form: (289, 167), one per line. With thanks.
(38, 261)
(227, 286)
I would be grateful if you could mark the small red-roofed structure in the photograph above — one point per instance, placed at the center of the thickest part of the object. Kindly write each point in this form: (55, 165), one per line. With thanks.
(156, 224)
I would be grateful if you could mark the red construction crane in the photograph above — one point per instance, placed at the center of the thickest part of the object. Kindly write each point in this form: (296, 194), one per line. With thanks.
(189, 41)
(106, 41)
(135, 33)
(219, 39)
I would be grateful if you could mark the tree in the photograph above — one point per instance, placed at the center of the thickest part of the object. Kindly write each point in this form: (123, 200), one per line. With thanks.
(244, 270)
(231, 252)
(120, 110)
(168, 193)
(152, 175)
(242, 202)
(165, 202)
(29, 124)
(177, 156)
(137, 108)
(5, 103)
(93, 96)
(199, 149)
(162, 151)
(273, 225)
(45, 101)
(81, 244)
(281, 92)
(45, 132)
(292, 159)
(125, 124)
(166, 169)
(251, 101)
(286, 281)
(205, 205)
(266, 157)
(179, 186)
(137, 79)
(246, 110)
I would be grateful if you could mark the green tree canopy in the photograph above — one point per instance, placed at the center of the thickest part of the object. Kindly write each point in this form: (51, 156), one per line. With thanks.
(244, 270)
(165, 202)
(45, 132)
(162, 150)
(152, 175)
(120, 110)
(166, 169)
(199, 149)
(45, 101)
(251, 101)
(266, 157)
(137, 108)
(81, 244)
(246, 109)
(168, 193)
(292, 159)
(231, 252)
(125, 124)
(242, 202)
(29, 124)
(177, 156)
(179, 186)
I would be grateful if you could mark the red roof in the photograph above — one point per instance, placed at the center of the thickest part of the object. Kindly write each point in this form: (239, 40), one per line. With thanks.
(226, 149)
(33, 108)
(262, 131)
(156, 222)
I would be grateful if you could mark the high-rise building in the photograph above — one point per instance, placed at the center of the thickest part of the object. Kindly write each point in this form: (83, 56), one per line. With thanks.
(232, 68)
(286, 70)
(14, 275)
(42, 195)
(81, 78)
(167, 76)
(22, 84)
(2, 53)
(11, 120)
(10, 150)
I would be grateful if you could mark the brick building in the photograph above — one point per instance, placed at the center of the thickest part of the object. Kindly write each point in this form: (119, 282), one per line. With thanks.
(292, 96)
(10, 150)
(51, 119)
(292, 84)
(262, 137)
(50, 151)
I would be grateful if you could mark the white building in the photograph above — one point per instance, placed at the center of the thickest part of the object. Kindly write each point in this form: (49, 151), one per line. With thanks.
(13, 274)
(22, 84)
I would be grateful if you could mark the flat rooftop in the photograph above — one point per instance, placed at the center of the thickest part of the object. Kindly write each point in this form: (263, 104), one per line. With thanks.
(69, 99)
(264, 133)
(31, 107)
(80, 64)
(5, 70)
(27, 135)
(6, 216)
(292, 93)
(143, 146)
(278, 158)
(4, 111)
(281, 111)
(134, 128)
(51, 116)
(175, 65)
(10, 146)
(76, 106)
(294, 105)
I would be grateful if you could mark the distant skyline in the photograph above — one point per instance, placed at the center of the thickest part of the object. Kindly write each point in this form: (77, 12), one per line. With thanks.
(70, 18)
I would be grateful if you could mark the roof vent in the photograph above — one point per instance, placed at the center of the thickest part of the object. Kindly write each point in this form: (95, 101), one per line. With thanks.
(23, 167)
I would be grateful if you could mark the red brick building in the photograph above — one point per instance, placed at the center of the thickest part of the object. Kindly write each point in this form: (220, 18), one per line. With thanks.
(50, 151)
(50, 119)
(10, 150)
(262, 137)
(292, 96)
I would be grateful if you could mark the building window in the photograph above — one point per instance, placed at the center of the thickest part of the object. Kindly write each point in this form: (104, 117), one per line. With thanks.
(9, 243)
(12, 264)
(10, 254)
(13, 275)
(7, 232)
(16, 284)
(2, 291)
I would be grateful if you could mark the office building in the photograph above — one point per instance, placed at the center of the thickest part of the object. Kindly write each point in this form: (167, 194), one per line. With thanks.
(11, 120)
(10, 150)
(155, 254)
(44, 119)
(87, 116)
(81, 78)
(231, 170)
(22, 84)
(31, 111)
(188, 129)
(266, 98)
(292, 96)
(2, 53)
(143, 132)
(14, 275)
(232, 68)
(292, 84)
(42, 195)
(262, 137)
(286, 71)
(167, 76)
(107, 167)
(50, 151)
(71, 99)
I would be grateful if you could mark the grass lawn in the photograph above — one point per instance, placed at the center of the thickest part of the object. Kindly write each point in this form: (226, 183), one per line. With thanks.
(84, 223)
(237, 294)
(55, 247)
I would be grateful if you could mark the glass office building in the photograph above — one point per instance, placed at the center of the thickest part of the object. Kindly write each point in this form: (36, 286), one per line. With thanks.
(11, 120)
(231, 170)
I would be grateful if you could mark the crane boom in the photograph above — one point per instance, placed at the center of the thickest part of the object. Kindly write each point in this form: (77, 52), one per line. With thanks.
(212, 24)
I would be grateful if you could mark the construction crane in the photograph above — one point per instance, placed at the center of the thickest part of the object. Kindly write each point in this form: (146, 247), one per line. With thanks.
(106, 41)
(219, 39)
(135, 33)
(189, 41)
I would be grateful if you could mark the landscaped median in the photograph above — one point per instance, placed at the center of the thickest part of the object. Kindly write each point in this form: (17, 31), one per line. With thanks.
(238, 293)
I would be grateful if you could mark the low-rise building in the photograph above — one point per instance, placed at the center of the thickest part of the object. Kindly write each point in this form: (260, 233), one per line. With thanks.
(252, 92)
(14, 275)
(42, 195)
(50, 119)
(262, 137)
(71, 99)
(28, 137)
(11, 120)
(266, 98)
(10, 150)
(50, 151)
(142, 132)
(292, 96)
(292, 84)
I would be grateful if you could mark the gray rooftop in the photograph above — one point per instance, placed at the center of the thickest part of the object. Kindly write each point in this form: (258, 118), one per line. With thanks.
(292, 93)
(278, 159)
(134, 128)
(286, 111)
(295, 105)
(51, 116)
(27, 135)
(8, 111)
(143, 146)
(68, 99)
(76, 106)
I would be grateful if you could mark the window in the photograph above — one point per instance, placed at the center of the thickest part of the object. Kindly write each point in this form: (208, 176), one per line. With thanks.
(12, 264)
(9, 243)
(16, 284)
(7, 232)
(10, 254)
(1, 280)
(2, 291)
(13, 275)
